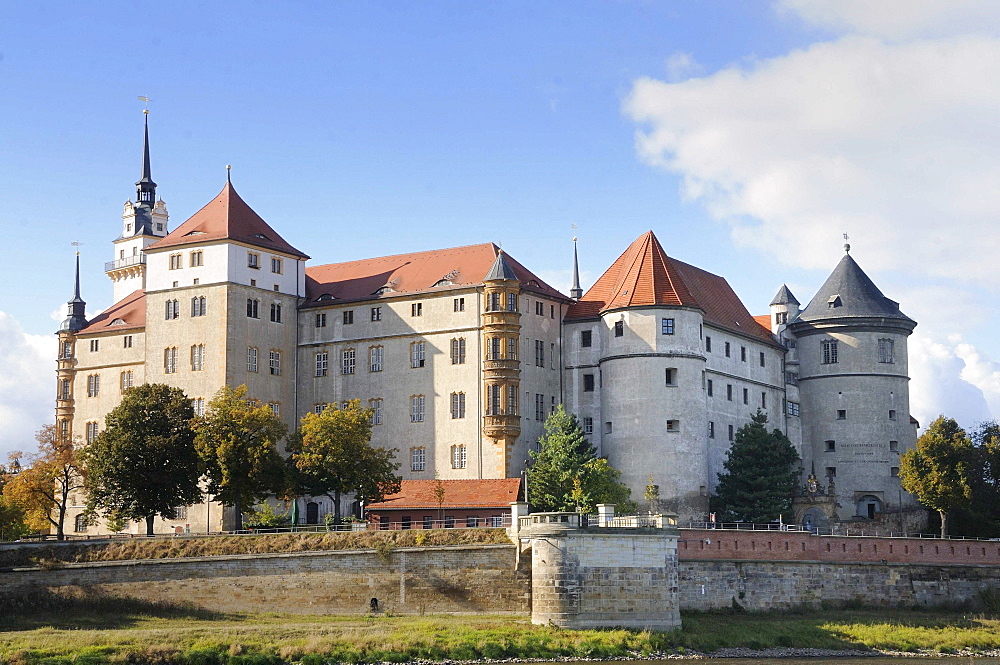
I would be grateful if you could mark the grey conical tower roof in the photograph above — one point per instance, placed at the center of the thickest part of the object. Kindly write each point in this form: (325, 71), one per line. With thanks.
(850, 293)
(76, 318)
(784, 297)
(501, 269)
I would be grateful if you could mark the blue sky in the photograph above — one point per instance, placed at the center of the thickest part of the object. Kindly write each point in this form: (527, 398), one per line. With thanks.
(748, 136)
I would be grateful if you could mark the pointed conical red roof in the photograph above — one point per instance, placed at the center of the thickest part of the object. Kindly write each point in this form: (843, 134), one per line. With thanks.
(645, 276)
(227, 217)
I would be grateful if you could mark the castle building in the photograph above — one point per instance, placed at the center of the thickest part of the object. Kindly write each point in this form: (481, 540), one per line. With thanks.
(462, 353)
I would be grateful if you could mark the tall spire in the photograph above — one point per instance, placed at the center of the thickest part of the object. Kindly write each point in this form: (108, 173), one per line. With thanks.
(145, 188)
(576, 292)
(76, 318)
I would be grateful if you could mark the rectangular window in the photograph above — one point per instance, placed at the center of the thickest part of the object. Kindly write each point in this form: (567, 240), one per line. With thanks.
(608, 427)
(67, 349)
(170, 360)
(321, 320)
(588, 383)
(458, 351)
(459, 458)
(708, 344)
(198, 404)
(493, 302)
(829, 347)
(276, 265)
(711, 429)
(493, 400)
(376, 406)
(322, 363)
(727, 349)
(251, 359)
(127, 341)
(511, 402)
(275, 408)
(552, 355)
(64, 386)
(746, 396)
(709, 387)
(830, 446)
(894, 471)
(585, 338)
(673, 426)
(459, 305)
(417, 409)
(319, 408)
(91, 432)
(196, 259)
(763, 400)
(347, 362)
(743, 353)
(348, 317)
(552, 311)
(511, 302)
(762, 359)
(376, 313)
(841, 414)
(892, 414)
(197, 357)
(417, 354)
(176, 263)
(172, 310)
(539, 353)
(588, 425)
(253, 308)
(198, 306)
(418, 459)
(539, 308)
(457, 406)
(731, 437)
(729, 392)
(93, 385)
(793, 408)
(671, 376)
(428, 522)
(539, 407)
(493, 348)
(417, 309)
(276, 312)
(126, 380)
(667, 326)
(885, 350)
(95, 345)
(894, 446)
(619, 328)
(375, 359)
(274, 362)
(831, 472)
(253, 260)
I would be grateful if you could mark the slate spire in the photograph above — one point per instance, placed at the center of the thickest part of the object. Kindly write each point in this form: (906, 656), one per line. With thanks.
(145, 188)
(576, 292)
(76, 318)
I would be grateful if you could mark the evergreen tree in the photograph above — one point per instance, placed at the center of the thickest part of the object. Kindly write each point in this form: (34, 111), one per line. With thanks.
(144, 463)
(237, 442)
(939, 470)
(760, 475)
(565, 472)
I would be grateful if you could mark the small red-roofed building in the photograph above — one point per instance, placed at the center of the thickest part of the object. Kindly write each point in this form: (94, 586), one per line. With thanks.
(464, 503)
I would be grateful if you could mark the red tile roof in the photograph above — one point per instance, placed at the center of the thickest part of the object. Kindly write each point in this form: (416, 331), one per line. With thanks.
(126, 314)
(227, 217)
(414, 273)
(490, 493)
(645, 276)
(763, 319)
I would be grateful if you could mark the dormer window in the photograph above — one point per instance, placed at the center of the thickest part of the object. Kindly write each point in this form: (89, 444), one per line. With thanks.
(325, 296)
(383, 290)
(159, 226)
(261, 236)
(834, 302)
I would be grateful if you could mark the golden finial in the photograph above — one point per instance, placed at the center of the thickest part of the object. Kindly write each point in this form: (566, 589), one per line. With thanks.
(145, 100)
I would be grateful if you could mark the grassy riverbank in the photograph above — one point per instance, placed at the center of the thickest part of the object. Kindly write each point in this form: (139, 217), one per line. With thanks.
(97, 632)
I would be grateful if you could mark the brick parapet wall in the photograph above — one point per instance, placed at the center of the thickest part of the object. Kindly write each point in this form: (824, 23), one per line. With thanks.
(465, 579)
(735, 545)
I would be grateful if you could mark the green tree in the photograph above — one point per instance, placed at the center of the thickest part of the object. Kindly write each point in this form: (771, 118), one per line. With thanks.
(760, 475)
(45, 487)
(331, 455)
(565, 472)
(237, 442)
(144, 463)
(938, 470)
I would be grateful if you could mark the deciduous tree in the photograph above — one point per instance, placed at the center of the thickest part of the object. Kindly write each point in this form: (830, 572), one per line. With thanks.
(760, 475)
(939, 469)
(144, 463)
(565, 472)
(45, 485)
(237, 443)
(331, 455)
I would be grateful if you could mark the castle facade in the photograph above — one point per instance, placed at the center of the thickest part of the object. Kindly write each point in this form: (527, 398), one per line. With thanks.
(462, 353)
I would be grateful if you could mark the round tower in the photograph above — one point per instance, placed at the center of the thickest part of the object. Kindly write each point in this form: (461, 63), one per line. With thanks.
(76, 320)
(501, 367)
(854, 389)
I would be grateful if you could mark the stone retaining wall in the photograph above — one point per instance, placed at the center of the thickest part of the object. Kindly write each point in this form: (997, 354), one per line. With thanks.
(466, 579)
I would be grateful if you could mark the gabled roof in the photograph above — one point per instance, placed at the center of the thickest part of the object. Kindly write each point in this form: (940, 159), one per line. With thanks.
(645, 276)
(387, 276)
(784, 297)
(126, 314)
(490, 493)
(849, 293)
(227, 217)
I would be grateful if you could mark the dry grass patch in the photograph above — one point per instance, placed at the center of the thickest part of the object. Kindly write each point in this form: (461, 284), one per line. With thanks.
(53, 555)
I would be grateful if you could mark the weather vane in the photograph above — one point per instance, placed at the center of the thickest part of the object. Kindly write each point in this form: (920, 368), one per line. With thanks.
(574, 229)
(77, 244)
(847, 246)
(145, 100)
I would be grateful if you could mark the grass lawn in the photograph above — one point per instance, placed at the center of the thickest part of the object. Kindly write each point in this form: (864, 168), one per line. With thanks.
(96, 632)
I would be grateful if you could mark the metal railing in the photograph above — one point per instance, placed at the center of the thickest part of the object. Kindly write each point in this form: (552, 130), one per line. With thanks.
(125, 262)
(840, 531)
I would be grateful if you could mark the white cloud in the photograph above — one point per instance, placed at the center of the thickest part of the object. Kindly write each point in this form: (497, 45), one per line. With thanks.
(949, 378)
(896, 145)
(681, 65)
(897, 19)
(27, 385)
